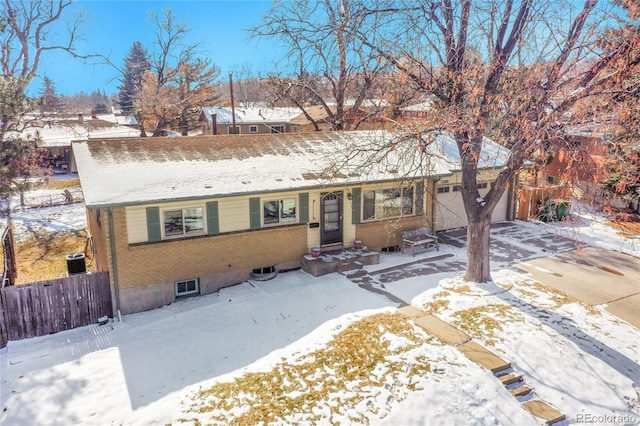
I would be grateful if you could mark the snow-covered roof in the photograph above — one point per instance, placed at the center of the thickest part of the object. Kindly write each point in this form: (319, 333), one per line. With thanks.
(111, 118)
(61, 133)
(419, 107)
(443, 146)
(146, 170)
(127, 120)
(251, 115)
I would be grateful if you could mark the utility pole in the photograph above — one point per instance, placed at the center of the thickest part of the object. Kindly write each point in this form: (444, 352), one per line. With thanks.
(233, 108)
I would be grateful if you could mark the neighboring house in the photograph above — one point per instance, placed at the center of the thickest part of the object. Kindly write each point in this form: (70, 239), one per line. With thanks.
(173, 217)
(575, 167)
(369, 116)
(577, 159)
(55, 136)
(219, 120)
(419, 110)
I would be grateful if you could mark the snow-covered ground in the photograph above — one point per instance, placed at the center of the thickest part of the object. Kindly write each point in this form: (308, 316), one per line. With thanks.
(149, 368)
(56, 215)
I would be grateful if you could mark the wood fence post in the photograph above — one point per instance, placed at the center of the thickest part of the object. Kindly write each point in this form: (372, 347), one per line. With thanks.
(3, 323)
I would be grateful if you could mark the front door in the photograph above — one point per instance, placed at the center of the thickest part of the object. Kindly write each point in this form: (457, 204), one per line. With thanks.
(331, 218)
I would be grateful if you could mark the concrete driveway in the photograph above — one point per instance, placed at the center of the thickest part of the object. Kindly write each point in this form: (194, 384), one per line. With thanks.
(595, 276)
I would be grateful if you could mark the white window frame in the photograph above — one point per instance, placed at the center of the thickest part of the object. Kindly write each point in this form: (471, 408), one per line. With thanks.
(396, 203)
(279, 127)
(185, 233)
(253, 128)
(457, 188)
(280, 203)
(229, 127)
(196, 289)
(443, 189)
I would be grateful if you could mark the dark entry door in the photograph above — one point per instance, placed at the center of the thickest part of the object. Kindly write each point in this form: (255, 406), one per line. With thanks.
(331, 218)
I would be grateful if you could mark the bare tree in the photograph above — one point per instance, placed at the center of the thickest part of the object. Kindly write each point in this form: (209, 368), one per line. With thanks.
(181, 80)
(511, 71)
(247, 88)
(329, 62)
(28, 30)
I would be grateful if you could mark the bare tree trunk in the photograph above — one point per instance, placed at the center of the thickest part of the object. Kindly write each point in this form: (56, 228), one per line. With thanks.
(478, 267)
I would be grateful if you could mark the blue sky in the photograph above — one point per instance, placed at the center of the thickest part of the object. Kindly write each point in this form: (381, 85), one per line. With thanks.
(113, 26)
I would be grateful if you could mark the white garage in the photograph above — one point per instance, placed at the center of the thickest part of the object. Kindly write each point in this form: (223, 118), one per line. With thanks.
(449, 209)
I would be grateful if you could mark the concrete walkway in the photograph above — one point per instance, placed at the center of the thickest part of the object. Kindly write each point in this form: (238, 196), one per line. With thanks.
(595, 276)
(513, 382)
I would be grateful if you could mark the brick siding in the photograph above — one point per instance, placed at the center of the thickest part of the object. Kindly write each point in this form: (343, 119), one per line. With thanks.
(175, 260)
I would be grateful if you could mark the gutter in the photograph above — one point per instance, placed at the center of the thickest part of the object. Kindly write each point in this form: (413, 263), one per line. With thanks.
(327, 186)
(114, 263)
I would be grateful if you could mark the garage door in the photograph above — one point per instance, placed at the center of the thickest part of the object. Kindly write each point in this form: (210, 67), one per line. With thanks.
(449, 209)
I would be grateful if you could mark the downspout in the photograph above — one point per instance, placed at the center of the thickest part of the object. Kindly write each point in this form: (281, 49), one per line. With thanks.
(434, 204)
(114, 267)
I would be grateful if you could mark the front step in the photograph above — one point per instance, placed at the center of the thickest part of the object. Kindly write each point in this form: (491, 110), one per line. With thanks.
(484, 357)
(511, 378)
(348, 266)
(344, 260)
(521, 391)
(544, 411)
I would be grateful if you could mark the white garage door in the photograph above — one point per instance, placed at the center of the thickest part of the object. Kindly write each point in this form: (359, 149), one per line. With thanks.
(449, 209)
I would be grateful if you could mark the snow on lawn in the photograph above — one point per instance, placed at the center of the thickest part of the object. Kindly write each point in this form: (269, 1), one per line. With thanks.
(31, 223)
(580, 359)
(155, 367)
(589, 227)
(279, 348)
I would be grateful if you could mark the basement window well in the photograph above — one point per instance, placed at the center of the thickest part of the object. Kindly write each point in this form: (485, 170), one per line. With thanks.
(187, 287)
(264, 274)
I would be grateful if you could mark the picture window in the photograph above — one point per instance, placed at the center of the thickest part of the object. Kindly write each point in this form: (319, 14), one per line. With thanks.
(387, 203)
(279, 211)
(183, 222)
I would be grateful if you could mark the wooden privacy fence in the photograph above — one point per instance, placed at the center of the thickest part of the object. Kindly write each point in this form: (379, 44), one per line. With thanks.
(50, 306)
(530, 200)
(8, 249)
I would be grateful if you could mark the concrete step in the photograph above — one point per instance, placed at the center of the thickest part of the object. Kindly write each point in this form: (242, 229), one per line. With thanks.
(484, 357)
(347, 266)
(355, 273)
(442, 330)
(544, 411)
(508, 379)
(411, 311)
(521, 391)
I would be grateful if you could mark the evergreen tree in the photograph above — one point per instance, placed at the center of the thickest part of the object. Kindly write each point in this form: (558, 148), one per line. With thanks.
(136, 64)
(101, 109)
(49, 99)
